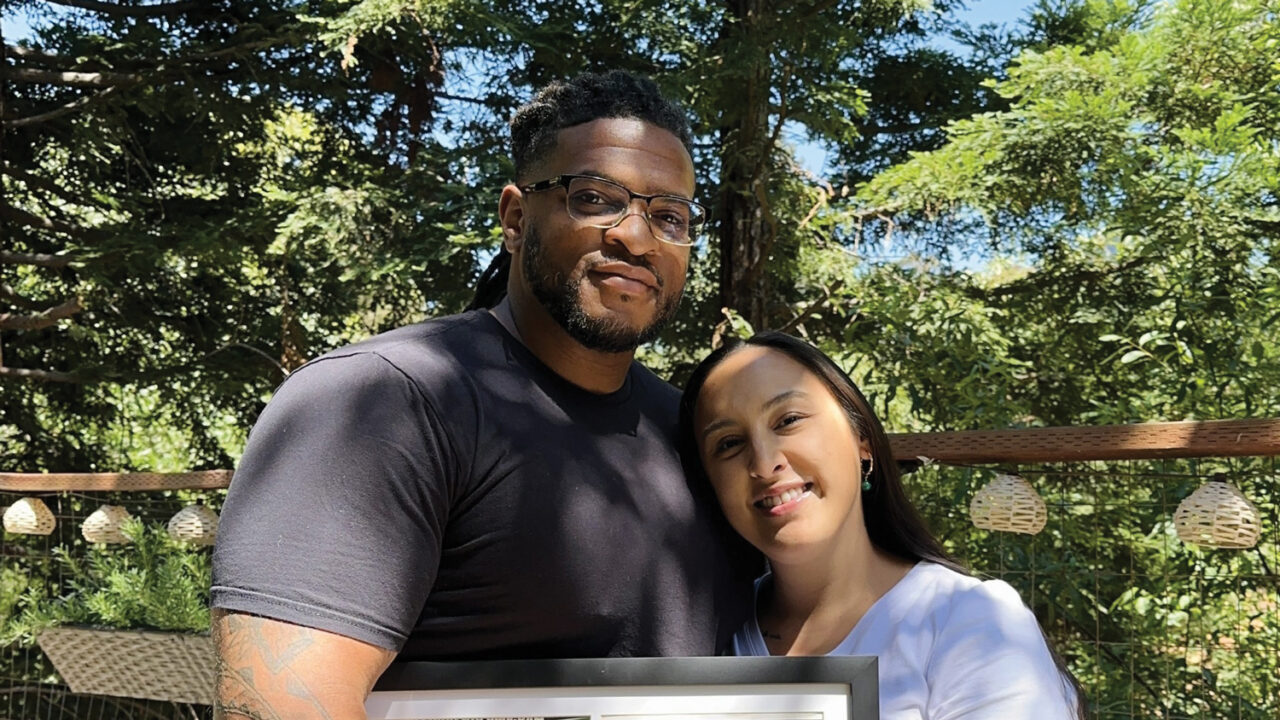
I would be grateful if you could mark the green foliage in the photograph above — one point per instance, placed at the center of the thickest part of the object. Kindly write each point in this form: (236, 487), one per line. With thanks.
(13, 583)
(153, 582)
(233, 207)
(279, 178)
(1137, 183)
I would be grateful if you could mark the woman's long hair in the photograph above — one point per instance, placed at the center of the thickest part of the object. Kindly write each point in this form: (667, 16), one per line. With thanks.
(893, 524)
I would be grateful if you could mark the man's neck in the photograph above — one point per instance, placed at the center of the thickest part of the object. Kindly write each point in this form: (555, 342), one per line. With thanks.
(590, 370)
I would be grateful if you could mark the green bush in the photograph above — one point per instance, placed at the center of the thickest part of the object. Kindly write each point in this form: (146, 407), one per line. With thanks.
(154, 582)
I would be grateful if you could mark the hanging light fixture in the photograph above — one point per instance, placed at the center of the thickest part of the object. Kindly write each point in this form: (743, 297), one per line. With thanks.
(1009, 504)
(1218, 515)
(195, 524)
(105, 525)
(29, 516)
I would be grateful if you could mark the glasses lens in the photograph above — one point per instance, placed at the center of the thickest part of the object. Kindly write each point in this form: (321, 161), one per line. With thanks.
(600, 203)
(596, 201)
(670, 219)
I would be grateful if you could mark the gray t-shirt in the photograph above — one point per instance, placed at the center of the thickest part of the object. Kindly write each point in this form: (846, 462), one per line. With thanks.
(439, 491)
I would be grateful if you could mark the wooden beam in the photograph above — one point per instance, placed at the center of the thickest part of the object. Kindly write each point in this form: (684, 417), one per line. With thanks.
(1143, 441)
(107, 482)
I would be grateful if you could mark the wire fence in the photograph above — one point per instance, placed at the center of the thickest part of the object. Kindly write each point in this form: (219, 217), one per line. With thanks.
(1151, 626)
(39, 566)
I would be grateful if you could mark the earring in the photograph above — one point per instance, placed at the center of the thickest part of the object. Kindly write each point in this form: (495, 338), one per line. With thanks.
(867, 466)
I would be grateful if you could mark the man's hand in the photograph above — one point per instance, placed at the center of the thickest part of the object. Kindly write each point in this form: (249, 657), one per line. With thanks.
(272, 670)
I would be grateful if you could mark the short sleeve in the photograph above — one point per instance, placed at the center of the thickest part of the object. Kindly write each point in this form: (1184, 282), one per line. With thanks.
(335, 514)
(991, 661)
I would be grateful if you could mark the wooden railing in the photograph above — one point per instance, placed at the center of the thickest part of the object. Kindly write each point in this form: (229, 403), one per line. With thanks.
(1143, 441)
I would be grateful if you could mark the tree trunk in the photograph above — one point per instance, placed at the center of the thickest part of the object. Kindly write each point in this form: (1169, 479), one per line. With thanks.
(744, 233)
(293, 337)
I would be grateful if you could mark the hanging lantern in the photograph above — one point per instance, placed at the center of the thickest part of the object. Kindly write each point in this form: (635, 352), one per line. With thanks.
(1009, 504)
(29, 516)
(105, 525)
(1218, 515)
(195, 524)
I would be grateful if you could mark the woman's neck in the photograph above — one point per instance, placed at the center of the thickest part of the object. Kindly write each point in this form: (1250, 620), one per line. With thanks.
(817, 598)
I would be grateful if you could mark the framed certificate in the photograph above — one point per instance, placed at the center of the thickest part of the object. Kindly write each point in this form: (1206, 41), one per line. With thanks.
(717, 688)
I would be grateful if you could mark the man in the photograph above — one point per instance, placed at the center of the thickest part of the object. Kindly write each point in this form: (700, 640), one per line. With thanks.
(500, 483)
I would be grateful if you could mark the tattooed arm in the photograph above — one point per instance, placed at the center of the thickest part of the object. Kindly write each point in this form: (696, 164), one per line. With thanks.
(272, 670)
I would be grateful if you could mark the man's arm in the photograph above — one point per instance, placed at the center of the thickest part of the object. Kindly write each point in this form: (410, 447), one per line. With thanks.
(273, 670)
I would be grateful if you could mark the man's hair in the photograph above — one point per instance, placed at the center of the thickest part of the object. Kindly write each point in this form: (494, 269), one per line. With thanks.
(587, 97)
(560, 105)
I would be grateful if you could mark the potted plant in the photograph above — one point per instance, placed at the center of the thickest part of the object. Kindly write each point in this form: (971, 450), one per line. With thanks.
(132, 619)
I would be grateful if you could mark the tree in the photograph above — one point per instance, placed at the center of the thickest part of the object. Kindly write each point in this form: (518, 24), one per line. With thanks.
(1133, 188)
(1103, 251)
(208, 269)
(112, 213)
(179, 232)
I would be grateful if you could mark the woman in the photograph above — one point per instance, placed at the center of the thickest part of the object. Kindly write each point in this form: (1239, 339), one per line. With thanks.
(803, 470)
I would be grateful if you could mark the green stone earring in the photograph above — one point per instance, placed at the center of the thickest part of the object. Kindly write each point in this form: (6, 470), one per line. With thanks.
(867, 466)
(866, 486)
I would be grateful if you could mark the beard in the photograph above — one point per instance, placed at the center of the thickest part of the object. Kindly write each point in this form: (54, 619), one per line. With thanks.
(560, 295)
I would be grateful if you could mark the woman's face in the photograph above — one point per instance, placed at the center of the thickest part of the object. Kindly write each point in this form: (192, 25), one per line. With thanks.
(780, 452)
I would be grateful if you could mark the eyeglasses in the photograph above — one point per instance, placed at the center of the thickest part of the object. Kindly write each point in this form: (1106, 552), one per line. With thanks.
(602, 203)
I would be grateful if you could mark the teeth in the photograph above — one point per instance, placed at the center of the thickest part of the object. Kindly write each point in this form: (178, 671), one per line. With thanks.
(786, 497)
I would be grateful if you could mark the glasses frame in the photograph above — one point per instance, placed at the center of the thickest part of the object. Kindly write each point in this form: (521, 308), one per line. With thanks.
(563, 181)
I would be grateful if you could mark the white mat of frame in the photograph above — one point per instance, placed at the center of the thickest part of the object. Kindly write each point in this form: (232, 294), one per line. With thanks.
(807, 701)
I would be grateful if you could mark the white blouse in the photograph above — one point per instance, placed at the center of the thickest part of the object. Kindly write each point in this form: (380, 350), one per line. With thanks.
(951, 647)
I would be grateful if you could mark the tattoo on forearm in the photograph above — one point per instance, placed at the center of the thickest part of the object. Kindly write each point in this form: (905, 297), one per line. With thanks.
(235, 711)
(275, 656)
(244, 643)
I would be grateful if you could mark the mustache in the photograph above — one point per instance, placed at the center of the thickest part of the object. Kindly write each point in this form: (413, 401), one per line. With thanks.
(625, 257)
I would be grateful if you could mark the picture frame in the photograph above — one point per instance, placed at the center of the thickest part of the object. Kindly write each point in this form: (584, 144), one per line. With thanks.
(707, 688)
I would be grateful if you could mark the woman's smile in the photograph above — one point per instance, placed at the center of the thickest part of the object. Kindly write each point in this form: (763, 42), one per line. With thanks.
(781, 501)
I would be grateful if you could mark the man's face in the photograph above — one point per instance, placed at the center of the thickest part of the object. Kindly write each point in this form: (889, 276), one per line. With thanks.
(610, 289)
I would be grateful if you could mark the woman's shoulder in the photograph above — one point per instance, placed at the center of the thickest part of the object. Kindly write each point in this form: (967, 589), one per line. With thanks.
(951, 592)
(989, 656)
(951, 607)
(983, 620)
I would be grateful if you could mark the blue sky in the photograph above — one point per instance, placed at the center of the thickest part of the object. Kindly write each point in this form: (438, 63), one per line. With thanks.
(997, 11)
(1001, 12)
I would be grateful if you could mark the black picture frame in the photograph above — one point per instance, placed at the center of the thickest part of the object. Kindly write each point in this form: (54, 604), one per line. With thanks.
(598, 688)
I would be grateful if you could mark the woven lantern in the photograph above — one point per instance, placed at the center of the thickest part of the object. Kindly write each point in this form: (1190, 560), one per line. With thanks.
(105, 525)
(1009, 504)
(1218, 515)
(29, 516)
(195, 524)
